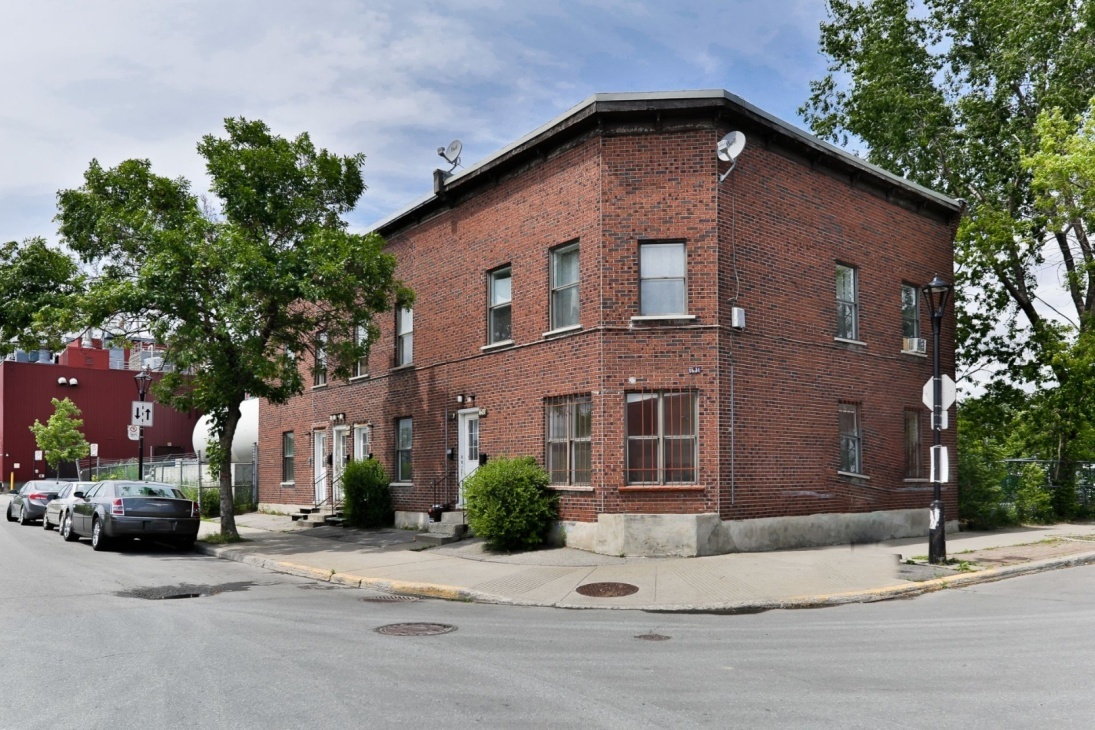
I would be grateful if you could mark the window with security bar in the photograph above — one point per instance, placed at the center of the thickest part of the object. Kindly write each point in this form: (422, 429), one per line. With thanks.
(568, 436)
(661, 437)
(847, 302)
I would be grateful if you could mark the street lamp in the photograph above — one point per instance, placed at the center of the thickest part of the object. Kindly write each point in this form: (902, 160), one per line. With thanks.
(937, 292)
(142, 379)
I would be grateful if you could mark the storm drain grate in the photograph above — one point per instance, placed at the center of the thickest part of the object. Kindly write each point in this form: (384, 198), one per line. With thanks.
(652, 637)
(416, 629)
(607, 590)
(388, 598)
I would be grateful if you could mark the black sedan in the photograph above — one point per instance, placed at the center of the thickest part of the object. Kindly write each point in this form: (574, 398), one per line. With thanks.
(29, 503)
(122, 510)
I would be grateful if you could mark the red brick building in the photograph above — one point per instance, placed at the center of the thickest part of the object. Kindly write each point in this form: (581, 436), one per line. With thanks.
(99, 380)
(704, 363)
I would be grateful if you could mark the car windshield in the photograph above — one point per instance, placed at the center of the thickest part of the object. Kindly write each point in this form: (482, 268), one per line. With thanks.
(147, 490)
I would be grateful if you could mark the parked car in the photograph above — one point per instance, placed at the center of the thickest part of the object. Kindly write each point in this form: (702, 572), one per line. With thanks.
(59, 505)
(118, 509)
(29, 503)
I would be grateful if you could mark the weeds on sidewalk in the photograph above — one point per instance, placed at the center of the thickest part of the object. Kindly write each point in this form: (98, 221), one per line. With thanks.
(220, 539)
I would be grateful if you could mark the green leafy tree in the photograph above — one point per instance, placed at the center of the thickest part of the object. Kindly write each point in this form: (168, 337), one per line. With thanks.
(60, 438)
(949, 93)
(238, 293)
(36, 282)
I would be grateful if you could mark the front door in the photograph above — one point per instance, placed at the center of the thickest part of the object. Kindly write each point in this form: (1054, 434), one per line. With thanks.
(319, 464)
(468, 447)
(338, 460)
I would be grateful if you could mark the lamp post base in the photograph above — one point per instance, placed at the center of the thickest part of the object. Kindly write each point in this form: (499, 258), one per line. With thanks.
(937, 536)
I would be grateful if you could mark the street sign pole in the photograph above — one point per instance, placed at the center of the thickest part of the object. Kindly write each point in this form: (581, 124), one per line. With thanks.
(937, 534)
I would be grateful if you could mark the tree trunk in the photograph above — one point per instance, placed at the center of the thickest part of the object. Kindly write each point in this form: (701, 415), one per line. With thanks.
(228, 516)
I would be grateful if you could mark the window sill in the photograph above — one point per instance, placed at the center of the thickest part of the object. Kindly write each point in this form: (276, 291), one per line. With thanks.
(846, 341)
(287, 484)
(562, 331)
(662, 488)
(915, 354)
(915, 480)
(496, 345)
(404, 366)
(322, 386)
(569, 488)
(358, 378)
(641, 318)
(400, 484)
(852, 475)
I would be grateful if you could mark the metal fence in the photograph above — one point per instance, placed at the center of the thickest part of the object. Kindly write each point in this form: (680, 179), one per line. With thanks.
(184, 470)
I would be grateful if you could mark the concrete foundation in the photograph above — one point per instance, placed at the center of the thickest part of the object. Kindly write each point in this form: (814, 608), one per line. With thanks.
(656, 535)
(412, 520)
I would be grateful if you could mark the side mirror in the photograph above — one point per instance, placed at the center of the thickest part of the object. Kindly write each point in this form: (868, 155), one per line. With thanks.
(78, 495)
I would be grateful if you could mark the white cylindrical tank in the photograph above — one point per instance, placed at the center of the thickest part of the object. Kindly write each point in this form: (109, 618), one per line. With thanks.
(247, 432)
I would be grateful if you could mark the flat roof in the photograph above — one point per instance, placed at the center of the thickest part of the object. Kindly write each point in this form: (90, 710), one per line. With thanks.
(671, 100)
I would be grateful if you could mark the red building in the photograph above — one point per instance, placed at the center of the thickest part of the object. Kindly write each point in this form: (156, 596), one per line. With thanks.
(705, 362)
(100, 382)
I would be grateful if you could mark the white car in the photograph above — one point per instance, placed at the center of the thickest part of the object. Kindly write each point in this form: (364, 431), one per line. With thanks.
(57, 507)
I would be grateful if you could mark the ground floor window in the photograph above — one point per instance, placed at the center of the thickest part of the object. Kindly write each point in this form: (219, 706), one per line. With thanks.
(287, 451)
(661, 437)
(403, 440)
(851, 440)
(363, 441)
(568, 439)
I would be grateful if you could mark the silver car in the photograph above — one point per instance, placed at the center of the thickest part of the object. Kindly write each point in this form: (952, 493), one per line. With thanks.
(29, 503)
(57, 507)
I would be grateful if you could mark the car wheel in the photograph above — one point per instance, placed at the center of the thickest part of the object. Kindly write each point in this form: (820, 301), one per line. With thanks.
(46, 524)
(23, 516)
(66, 528)
(98, 535)
(11, 517)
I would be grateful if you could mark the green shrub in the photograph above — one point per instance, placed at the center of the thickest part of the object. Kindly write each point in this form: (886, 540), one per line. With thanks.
(508, 503)
(211, 500)
(367, 498)
(981, 475)
(1033, 496)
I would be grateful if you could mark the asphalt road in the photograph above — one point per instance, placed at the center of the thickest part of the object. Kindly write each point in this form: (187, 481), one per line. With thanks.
(81, 648)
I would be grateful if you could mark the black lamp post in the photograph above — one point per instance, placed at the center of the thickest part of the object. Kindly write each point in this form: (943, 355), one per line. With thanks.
(142, 379)
(937, 292)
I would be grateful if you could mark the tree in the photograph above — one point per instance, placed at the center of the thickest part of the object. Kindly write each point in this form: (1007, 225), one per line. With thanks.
(236, 294)
(36, 282)
(60, 438)
(949, 93)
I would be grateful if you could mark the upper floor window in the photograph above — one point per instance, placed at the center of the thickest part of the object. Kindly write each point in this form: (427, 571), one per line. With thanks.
(319, 375)
(500, 308)
(564, 287)
(847, 302)
(568, 439)
(661, 437)
(288, 449)
(404, 438)
(851, 438)
(910, 311)
(361, 367)
(404, 336)
(662, 281)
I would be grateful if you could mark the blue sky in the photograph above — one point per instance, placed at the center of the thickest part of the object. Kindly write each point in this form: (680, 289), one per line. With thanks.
(118, 79)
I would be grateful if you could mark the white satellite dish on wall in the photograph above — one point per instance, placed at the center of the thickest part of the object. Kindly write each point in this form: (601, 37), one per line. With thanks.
(452, 153)
(728, 149)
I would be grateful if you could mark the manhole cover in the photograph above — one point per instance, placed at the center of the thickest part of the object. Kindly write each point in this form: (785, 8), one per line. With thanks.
(652, 637)
(607, 590)
(388, 598)
(415, 629)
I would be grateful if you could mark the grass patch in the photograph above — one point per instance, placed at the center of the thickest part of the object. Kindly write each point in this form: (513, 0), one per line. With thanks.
(221, 539)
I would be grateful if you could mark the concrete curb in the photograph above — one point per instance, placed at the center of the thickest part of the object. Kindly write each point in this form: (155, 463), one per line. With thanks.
(457, 593)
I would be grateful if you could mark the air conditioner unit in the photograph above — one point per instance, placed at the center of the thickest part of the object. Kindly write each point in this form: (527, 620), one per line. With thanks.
(914, 344)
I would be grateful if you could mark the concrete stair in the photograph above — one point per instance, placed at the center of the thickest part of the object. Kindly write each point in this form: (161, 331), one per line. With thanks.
(451, 528)
(317, 516)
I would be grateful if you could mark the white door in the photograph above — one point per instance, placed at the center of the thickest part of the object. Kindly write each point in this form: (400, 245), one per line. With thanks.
(319, 464)
(468, 447)
(338, 459)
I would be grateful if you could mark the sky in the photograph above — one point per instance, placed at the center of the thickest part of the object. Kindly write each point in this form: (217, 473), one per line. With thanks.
(119, 79)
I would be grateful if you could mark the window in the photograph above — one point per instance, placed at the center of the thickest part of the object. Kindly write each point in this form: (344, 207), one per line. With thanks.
(501, 306)
(661, 438)
(564, 287)
(363, 441)
(287, 450)
(662, 287)
(568, 437)
(850, 438)
(361, 337)
(403, 441)
(404, 337)
(910, 311)
(847, 303)
(319, 375)
(913, 469)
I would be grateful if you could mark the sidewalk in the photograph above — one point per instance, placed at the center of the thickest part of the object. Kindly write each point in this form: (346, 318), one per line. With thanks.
(387, 560)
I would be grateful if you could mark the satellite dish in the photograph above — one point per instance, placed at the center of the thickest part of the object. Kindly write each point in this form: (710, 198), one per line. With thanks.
(452, 153)
(728, 149)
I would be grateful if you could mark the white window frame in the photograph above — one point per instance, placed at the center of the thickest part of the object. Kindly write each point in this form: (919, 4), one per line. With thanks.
(404, 336)
(363, 441)
(661, 438)
(569, 406)
(558, 288)
(647, 275)
(910, 316)
(847, 309)
(496, 305)
(319, 374)
(851, 440)
(401, 447)
(361, 367)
